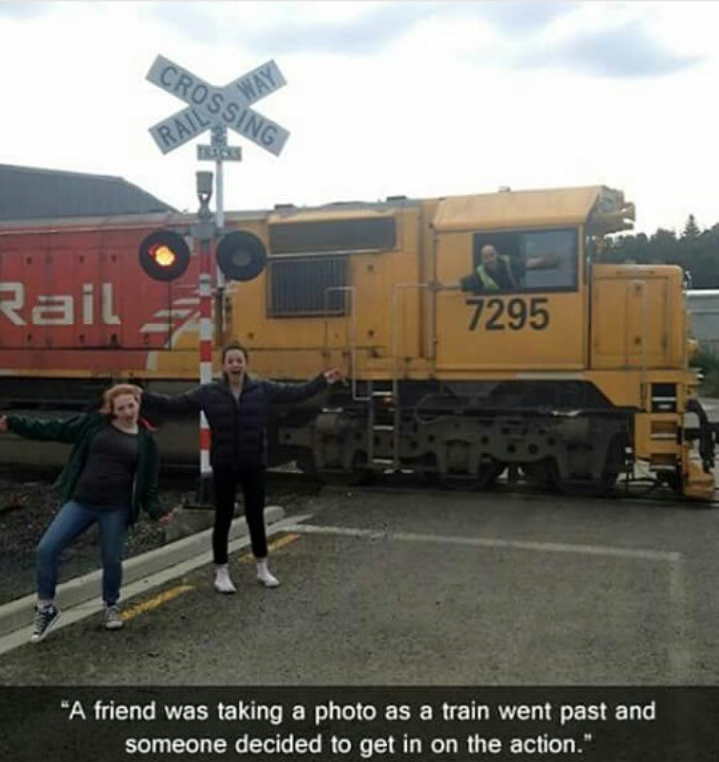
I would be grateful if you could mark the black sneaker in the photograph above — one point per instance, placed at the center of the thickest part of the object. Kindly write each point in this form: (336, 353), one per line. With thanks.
(45, 619)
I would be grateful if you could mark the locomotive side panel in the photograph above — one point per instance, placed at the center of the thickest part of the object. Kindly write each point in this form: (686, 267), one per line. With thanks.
(337, 305)
(638, 319)
(76, 302)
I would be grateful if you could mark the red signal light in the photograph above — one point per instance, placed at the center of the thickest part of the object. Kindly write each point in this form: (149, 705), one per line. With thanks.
(164, 255)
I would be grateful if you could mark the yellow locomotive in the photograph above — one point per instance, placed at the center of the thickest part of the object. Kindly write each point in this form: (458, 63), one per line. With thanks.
(570, 370)
(476, 332)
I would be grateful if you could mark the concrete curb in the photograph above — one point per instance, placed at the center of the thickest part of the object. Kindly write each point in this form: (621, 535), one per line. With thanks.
(20, 613)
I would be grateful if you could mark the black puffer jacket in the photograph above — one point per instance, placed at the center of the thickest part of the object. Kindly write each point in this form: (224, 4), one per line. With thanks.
(238, 429)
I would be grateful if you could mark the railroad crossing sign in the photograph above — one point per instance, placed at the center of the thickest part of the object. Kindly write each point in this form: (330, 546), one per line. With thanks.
(209, 106)
(221, 153)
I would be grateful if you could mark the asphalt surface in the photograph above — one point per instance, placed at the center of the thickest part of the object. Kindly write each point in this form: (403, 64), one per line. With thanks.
(384, 587)
(28, 505)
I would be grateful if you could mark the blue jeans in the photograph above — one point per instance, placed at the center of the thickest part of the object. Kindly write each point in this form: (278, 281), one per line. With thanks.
(72, 520)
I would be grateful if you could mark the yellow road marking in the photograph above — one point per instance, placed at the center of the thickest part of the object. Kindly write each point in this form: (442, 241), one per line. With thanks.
(155, 601)
(275, 545)
(173, 592)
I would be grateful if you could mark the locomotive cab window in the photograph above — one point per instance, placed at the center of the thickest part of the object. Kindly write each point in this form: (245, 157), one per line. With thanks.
(541, 260)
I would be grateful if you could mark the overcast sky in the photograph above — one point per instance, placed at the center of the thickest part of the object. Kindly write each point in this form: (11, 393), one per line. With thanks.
(382, 98)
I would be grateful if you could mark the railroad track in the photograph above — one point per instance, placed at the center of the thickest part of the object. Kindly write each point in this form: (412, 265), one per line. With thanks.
(183, 478)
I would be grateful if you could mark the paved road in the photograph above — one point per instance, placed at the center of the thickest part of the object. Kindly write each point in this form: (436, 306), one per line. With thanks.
(429, 588)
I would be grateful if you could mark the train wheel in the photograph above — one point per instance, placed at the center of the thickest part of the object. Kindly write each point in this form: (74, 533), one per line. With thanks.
(359, 474)
(538, 473)
(487, 474)
(306, 464)
(581, 487)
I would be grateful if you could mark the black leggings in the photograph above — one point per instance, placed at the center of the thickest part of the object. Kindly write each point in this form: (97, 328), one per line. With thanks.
(225, 482)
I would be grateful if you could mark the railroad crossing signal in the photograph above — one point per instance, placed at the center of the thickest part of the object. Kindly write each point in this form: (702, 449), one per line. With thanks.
(241, 255)
(164, 255)
(210, 106)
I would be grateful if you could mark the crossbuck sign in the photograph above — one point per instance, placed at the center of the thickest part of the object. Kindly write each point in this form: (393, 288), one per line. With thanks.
(209, 106)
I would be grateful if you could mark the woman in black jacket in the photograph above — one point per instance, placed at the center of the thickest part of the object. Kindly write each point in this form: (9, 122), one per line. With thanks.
(237, 409)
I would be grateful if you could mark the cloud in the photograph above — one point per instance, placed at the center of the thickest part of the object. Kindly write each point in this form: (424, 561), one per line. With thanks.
(522, 16)
(23, 9)
(621, 52)
(371, 32)
(624, 51)
(363, 28)
(298, 29)
(384, 23)
(195, 21)
(344, 27)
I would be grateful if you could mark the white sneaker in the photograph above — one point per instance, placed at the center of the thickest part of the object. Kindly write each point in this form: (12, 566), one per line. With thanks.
(112, 618)
(265, 577)
(223, 583)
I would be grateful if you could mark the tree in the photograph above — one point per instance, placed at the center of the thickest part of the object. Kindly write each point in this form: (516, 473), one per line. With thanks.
(696, 251)
(691, 229)
(663, 245)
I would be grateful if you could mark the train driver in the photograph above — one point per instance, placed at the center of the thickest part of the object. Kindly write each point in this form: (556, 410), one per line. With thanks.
(498, 272)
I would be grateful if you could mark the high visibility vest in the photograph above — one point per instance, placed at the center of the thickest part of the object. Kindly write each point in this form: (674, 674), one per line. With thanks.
(488, 282)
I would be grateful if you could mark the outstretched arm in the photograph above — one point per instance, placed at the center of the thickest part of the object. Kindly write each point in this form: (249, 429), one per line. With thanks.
(543, 262)
(44, 429)
(187, 402)
(298, 392)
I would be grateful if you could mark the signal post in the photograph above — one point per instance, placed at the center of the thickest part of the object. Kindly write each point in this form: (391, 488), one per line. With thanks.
(203, 233)
(241, 256)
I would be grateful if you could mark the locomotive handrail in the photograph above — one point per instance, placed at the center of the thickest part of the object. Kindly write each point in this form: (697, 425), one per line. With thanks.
(706, 433)
(353, 335)
(645, 342)
(395, 351)
(429, 347)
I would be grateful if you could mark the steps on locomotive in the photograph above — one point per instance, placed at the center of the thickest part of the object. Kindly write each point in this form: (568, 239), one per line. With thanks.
(382, 422)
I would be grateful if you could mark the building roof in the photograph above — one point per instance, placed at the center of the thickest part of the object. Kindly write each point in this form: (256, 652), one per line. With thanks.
(28, 193)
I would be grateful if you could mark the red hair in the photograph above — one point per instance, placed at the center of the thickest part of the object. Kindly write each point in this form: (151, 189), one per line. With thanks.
(110, 395)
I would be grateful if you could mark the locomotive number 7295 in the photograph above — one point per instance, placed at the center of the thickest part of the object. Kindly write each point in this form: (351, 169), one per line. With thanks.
(513, 313)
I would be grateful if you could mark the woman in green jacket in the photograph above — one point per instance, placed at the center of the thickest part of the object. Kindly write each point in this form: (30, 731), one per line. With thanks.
(111, 473)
